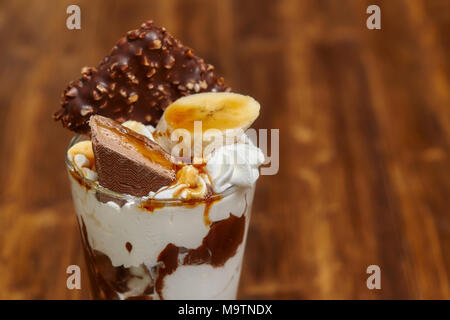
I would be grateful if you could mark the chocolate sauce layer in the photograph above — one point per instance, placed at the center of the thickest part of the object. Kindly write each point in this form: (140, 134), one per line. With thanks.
(169, 259)
(146, 71)
(100, 288)
(106, 280)
(219, 245)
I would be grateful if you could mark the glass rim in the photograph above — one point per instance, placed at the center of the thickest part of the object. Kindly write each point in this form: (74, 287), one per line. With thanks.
(126, 197)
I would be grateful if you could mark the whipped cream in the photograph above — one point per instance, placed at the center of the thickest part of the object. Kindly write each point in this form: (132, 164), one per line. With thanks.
(230, 165)
(234, 165)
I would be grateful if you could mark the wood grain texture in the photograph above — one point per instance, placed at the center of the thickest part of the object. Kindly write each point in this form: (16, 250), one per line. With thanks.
(364, 120)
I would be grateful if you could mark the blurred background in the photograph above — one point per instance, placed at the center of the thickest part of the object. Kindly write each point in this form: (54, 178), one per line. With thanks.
(364, 119)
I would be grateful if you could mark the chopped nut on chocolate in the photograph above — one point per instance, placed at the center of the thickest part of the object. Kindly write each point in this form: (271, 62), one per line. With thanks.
(145, 58)
(132, 98)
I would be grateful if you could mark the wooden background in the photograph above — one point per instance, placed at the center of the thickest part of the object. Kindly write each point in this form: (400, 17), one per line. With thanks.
(365, 138)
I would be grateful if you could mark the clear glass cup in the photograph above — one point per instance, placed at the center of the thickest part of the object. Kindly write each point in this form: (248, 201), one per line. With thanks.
(140, 248)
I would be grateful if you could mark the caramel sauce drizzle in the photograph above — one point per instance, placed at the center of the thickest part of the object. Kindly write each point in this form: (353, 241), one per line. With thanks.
(78, 178)
(210, 198)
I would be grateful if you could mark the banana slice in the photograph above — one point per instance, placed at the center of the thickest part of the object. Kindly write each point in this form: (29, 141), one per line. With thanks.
(199, 123)
(84, 148)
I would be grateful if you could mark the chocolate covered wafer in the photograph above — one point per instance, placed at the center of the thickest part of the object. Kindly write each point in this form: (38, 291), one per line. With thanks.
(127, 162)
(146, 71)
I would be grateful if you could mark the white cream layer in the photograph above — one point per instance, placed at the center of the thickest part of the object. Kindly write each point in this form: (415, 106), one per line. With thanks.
(109, 227)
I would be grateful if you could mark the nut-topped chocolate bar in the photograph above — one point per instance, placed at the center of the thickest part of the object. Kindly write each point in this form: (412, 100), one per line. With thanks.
(146, 71)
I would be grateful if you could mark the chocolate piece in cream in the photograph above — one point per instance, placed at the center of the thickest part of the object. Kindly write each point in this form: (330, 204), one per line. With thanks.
(127, 162)
(145, 72)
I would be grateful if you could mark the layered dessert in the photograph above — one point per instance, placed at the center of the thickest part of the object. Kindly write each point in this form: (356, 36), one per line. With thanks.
(161, 170)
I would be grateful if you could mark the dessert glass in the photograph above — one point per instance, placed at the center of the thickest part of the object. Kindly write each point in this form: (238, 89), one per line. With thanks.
(140, 248)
